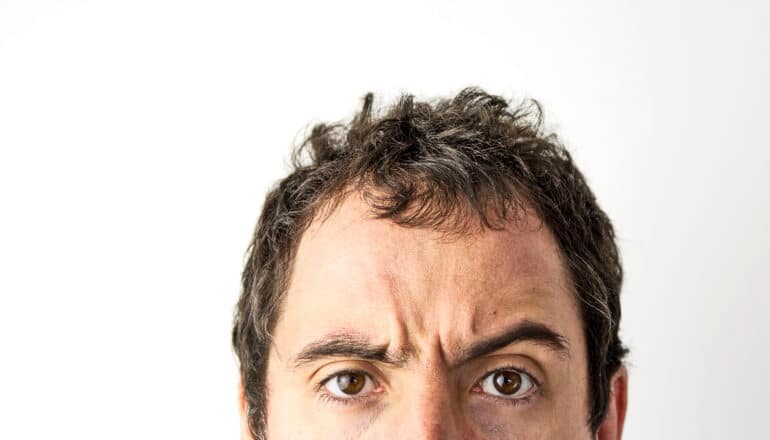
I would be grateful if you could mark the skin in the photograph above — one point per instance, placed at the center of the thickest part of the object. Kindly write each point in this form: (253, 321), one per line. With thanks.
(424, 299)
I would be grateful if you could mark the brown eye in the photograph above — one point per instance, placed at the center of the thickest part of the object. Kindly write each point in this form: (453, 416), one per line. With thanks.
(507, 382)
(351, 383)
(510, 384)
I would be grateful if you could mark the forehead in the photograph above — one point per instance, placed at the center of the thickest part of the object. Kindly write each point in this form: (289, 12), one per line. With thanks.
(354, 272)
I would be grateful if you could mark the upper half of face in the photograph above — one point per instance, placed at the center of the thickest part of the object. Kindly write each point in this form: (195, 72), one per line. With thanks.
(393, 332)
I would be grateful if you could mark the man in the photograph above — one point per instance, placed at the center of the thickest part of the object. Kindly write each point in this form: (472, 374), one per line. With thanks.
(432, 271)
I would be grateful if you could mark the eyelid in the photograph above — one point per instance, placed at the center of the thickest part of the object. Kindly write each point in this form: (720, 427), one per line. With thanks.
(323, 393)
(377, 383)
(516, 401)
(516, 368)
(327, 378)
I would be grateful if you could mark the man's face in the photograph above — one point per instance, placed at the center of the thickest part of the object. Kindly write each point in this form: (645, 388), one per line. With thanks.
(391, 332)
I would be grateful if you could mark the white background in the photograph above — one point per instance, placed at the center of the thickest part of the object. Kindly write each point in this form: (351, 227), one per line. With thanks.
(137, 140)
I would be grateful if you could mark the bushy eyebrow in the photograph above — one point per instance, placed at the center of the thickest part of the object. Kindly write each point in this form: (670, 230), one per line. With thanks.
(353, 345)
(346, 345)
(524, 331)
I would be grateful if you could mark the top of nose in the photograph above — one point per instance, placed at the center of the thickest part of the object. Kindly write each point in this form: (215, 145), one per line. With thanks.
(430, 411)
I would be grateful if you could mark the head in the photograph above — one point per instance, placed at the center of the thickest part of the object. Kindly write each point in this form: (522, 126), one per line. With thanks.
(432, 270)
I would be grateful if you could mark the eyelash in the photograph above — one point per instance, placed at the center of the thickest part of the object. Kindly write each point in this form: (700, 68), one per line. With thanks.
(513, 402)
(324, 396)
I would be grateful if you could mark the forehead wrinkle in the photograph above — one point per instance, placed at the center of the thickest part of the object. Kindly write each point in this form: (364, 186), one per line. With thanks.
(396, 293)
(381, 280)
(401, 297)
(464, 287)
(415, 312)
(525, 299)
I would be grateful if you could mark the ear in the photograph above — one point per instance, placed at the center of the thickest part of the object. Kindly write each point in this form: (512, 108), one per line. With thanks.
(243, 408)
(612, 426)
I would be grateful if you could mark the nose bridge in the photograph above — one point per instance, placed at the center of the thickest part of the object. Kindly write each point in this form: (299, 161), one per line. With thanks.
(431, 412)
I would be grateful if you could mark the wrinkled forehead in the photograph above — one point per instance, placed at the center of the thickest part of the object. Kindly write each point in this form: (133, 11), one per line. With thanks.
(351, 269)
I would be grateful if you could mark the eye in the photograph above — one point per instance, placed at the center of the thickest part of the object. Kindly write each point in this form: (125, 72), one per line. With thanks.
(349, 384)
(509, 384)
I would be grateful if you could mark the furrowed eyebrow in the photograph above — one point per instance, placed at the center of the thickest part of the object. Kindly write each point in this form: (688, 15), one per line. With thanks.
(525, 331)
(345, 345)
(355, 346)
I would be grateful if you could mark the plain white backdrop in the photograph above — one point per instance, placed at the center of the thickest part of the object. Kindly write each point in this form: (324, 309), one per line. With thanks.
(138, 138)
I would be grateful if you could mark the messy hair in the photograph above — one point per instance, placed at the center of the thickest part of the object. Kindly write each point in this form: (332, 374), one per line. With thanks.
(444, 164)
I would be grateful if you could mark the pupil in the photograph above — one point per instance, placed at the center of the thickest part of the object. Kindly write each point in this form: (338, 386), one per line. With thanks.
(507, 382)
(350, 383)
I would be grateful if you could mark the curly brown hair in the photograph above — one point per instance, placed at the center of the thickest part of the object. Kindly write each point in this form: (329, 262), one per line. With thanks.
(441, 164)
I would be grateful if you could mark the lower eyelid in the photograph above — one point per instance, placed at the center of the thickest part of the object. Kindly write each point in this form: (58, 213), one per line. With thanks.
(536, 384)
(523, 400)
(369, 377)
(526, 400)
(355, 400)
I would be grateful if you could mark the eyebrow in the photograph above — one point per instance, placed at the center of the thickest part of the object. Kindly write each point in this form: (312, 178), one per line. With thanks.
(354, 345)
(347, 345)
(524, 331)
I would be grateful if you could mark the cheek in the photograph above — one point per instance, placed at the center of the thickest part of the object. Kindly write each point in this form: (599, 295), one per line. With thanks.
(286, 412)
(568, 412)
(500, 422)
(559, 412)
(294, 412)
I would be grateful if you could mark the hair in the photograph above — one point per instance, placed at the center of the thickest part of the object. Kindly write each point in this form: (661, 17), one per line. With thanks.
(436, 165)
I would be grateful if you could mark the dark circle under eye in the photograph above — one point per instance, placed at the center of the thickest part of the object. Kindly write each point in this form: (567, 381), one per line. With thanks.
(351, 383)
(507, 382)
